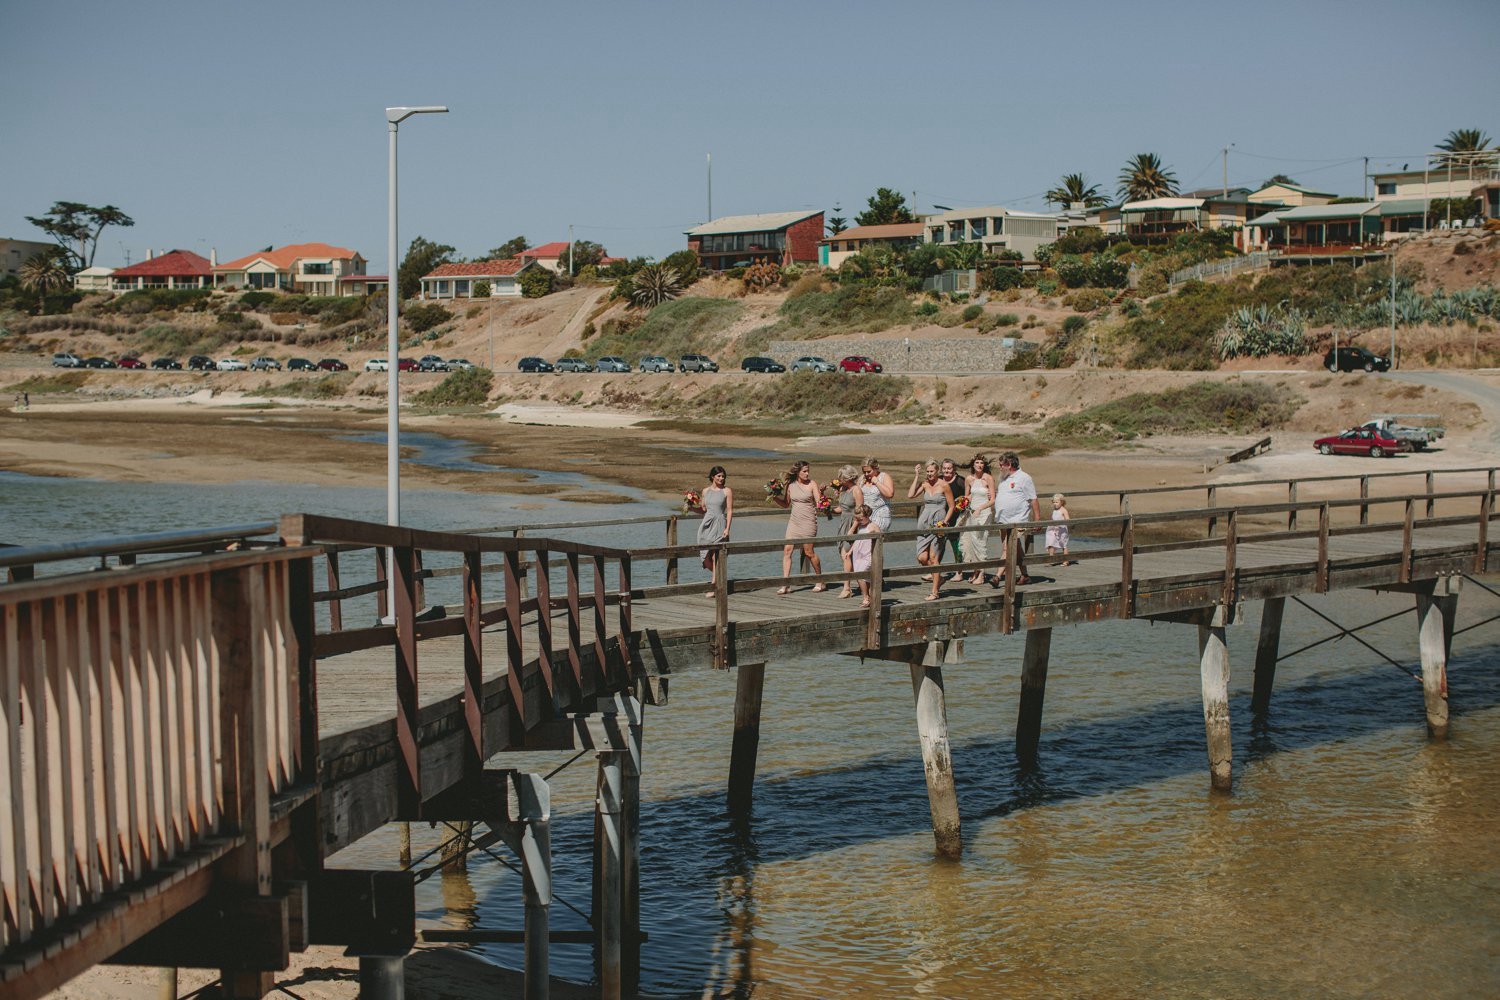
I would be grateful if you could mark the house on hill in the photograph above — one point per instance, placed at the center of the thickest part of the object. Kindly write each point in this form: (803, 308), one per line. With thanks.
(554, 256)
(173, 269)
(309, 268)
(841, 246)
(456, 281)
(94, 279)
(1290, 195)
(995, 227)
(14, 253)
(741, 240)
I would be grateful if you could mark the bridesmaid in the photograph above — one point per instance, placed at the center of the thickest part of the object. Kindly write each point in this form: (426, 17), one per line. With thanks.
(878, 488)
(851, 497)
(801, 498)
(937, 508)
(718, 513)
(981, 511)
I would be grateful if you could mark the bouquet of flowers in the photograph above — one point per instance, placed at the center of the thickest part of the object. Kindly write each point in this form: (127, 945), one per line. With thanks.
(835, 489)
(774, 489)
(691, 502)
(960, 504)
(825, 507)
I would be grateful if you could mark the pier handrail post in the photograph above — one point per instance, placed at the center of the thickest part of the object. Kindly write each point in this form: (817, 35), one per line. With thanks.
(575, 624)
(1213, 519)
(601, 622)
(515, 576)
(1291, 498)
(877, 591)
(1431, 486)
(671, 542)
(382, 596)
(336, 604)
(1008, 599)
(1322, 584)
(518, 534)
(1364, 496)
(419, 587)
(623, 619)
(1406, 531)
(1486, 510)
(1127, 564)
(474, 755)
(1231, 556)
(408, 705)
(544, 621)
(721, 607)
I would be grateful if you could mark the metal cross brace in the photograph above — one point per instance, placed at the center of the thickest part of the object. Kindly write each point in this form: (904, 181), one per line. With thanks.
(1350, 633)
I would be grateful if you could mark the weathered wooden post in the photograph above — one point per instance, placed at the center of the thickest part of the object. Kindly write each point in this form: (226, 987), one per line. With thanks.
(937, 759)
(1266, 652)
(532, 807)
(608, 921)
(1435, 612)
(671, 541)
(1033, 691)
(747, 699)
(1213, 660)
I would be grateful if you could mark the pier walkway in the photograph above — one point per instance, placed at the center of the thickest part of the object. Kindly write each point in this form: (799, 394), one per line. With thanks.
(189, 731)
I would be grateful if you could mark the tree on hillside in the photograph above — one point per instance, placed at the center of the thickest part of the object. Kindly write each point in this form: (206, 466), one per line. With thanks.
(1462, 141)
(76, 228)
(1145, 177)
(887, 207)
(421, 257)
(509, 248)
(45, 273)
(1277, 179)
(585, 252)
(1076, 188)
(836, 223)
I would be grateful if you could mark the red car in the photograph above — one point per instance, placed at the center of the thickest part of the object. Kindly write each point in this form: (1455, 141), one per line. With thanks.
(131, 363)
(332, 365)
(1360, 441)
(405, 365)
(856, 363)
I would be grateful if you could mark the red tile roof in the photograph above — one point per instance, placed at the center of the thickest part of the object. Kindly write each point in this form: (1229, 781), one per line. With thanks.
(282, 258)
(547, 251)
(479, 269)
(175, 264)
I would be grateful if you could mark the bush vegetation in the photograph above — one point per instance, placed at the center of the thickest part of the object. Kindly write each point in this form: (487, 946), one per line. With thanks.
(801, 396)
(470, 387)
(681, 326)
(324, 387)
(1199, 408)
(424, 317)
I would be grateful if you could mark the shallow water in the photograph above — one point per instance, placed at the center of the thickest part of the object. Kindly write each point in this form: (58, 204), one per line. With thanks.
(1354, 858)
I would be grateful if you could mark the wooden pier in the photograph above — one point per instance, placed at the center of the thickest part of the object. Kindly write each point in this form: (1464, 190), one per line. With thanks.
(182, 746)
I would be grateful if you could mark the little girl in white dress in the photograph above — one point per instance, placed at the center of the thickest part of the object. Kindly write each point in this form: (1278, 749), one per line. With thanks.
(1057, 534)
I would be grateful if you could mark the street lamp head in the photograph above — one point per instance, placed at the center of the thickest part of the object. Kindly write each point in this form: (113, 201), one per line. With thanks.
(397, 115)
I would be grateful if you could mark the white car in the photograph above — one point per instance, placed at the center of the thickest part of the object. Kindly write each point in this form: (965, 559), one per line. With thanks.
(232, 365)
(377, 365)
(460, 364)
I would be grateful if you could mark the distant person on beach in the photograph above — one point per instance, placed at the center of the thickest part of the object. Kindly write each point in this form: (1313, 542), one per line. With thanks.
(936, 509)
(957, 488)
(860, 551)
(718, 514)
(1015, 503)
(976, 544)
(878, 488)
(801, 498)
(1057, 532)
(850, 497)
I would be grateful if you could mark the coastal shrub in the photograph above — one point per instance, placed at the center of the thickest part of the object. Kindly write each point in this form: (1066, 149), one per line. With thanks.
(1001, 278)
(254, 300)
(928, 309)
(1074, 324)
(1046, 286)
(1073, 271)
(286, 318)
(324, 387)
(482, 290)
(148, 300)
(810, 282)
(470, 387)
(42, 384)
(1199, 408)
(799, 396)
(681, 326)
(535, 282)
(1082, 240)
(1007, 319)
(1179, 333)
(423, 317)
(1088, 299)
(685, 263)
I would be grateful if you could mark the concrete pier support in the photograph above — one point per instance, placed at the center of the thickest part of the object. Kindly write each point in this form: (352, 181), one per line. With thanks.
(1213, 662)
(1033, 692)
(610, 876)
(1266, 652)
(937, 760)
(382, 977)
(1435, 614)
(747, 696)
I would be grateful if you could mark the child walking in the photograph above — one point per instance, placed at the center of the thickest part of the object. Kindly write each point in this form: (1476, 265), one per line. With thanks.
(860, 553)
(1057, 534)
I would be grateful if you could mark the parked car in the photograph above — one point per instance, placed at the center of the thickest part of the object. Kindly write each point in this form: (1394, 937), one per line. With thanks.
(1356, 359)
(461, 364)
(762, 365)
(572, 365)
(655, 363)
(812, 363)
(534, 365)
(265, 364)
(332, 365)
(1418, 437)
(202, 363)
(130, 363)
(301, 365)
(64, 359)
(377, 365)
(98, 363)
(857, 363)
(611, 364)
(405, 365)
(167, 365)
(232, 365)
(1360, 441)
(431, 363)
(696, 363)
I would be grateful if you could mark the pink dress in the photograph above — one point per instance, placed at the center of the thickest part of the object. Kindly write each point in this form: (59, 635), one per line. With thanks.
(860, 554)
(804, 520)
(1057, 534)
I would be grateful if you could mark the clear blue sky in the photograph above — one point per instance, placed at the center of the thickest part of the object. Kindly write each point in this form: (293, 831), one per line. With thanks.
(235, 126)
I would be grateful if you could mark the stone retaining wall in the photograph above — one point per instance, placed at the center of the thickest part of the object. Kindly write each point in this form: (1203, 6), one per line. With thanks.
(955, 354)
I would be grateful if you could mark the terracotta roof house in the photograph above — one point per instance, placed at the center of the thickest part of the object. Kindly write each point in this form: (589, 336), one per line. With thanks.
(173, 269)
(841, 246)
(554, 256)
(740, 240)
(310, 268)
(456, 281)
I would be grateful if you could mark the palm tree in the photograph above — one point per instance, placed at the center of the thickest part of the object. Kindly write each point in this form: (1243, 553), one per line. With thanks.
(1075, 188)
(1145, 177)
(654, 284)
(1460, 142)
(44, 274)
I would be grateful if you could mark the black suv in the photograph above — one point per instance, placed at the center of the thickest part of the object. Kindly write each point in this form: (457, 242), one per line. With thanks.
(759, 364)
(535, 365)
(199, 363)
(1352, 359)
(301, 365)
(167, 365)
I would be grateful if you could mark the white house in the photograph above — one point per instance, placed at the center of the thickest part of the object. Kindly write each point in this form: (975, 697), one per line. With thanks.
(456, 281)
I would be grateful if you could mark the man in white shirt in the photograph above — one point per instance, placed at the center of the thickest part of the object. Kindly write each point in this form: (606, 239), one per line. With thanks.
(1016, 503)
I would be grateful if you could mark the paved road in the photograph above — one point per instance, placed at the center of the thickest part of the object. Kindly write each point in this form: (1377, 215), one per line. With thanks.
(1485, 394)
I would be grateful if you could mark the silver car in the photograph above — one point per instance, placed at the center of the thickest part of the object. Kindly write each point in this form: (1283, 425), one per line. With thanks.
(611, 364)
(656, 363)
(812, 363)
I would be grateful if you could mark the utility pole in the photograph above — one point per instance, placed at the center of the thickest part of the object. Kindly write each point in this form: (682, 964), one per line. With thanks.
(1226, 169)
(570, 249)
(1393, 305)
(710, 187)
(1367, 178)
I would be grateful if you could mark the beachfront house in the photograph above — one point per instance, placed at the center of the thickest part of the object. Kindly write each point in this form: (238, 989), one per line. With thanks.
(1160, 219)
(1472, 177)
(836, 249)
(1289, 195)
(456, 281)
(14, 253)
(995, 227)
(741, 240)
(554, 256)
(307, 268)
(94, 279)
(1335, 227)
(173, 269)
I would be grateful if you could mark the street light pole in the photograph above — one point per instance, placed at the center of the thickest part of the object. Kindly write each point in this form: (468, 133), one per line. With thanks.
(393, 119)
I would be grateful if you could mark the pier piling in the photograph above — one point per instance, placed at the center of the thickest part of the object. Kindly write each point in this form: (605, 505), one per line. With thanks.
(1033, 691)
(1213, 661)
(1435, 613)
(937, 759)
(1266, 652)
(747, 698)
